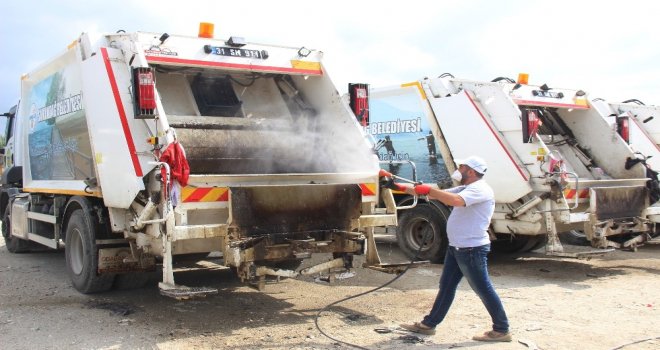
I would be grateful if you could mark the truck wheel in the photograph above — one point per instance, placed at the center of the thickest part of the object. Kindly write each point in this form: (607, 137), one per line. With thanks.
(508, 244)
(519, 243)
(82, 255)
(534, 242)
(427, 225)
(13, 244)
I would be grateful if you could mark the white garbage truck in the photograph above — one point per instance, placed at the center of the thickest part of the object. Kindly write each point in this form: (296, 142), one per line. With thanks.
(131, 149)
(646, 116)
(640, 124)
(637, 125)
(556, 164)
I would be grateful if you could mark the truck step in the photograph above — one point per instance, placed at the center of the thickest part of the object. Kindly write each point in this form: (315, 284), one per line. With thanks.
(180, 292)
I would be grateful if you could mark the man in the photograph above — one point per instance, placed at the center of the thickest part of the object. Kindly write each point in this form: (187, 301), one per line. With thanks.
(430, 143)
(469, 244)
(389, 146)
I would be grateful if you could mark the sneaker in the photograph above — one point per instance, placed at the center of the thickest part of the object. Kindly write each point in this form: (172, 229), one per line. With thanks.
(493, 336)
(418, 327)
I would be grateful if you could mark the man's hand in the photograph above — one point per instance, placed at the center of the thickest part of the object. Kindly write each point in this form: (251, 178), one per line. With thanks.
(389, 183)
(422, 189)
(384, 173)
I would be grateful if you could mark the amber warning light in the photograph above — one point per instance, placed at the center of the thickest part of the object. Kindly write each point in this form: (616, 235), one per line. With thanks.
(523, 78)
(205, 30)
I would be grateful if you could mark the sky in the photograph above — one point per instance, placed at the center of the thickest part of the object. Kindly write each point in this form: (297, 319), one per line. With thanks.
(610, 49)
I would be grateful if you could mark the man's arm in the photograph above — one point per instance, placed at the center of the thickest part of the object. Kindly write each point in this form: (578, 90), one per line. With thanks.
(445, 197)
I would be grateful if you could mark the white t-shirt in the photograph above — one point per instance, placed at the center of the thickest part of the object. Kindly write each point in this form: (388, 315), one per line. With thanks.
(468, 226)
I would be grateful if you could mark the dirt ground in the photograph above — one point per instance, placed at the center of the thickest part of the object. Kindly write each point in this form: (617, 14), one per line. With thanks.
(552, 304)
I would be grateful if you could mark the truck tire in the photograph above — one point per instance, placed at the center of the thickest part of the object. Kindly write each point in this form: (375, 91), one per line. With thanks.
(534, 242)
(575, 237)
(419, 222)
(14, 244)
(82, 255)
(508, 244)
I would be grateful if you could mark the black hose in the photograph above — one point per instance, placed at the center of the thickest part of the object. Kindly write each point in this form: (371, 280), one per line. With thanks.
(412, 261)
(508, 80)
(635, 342)
(634, 100)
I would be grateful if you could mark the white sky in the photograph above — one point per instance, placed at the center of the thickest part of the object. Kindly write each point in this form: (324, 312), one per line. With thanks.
(611, 49)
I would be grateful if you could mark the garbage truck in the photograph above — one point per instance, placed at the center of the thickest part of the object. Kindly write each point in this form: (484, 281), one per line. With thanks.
(130, 150)
(641, 126)
(646, 116)
(556, 164)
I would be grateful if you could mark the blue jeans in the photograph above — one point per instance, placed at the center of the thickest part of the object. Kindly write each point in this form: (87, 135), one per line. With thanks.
(473, 264)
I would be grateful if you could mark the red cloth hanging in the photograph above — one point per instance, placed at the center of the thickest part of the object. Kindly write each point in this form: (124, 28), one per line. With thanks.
(175, 157)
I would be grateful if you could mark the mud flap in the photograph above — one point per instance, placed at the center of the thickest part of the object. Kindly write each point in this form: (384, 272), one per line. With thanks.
(615, 211)
(120, 260)
(618, 202)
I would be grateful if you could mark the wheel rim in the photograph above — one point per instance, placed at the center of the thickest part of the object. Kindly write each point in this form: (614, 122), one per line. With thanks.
(419, 228)
(75, 248)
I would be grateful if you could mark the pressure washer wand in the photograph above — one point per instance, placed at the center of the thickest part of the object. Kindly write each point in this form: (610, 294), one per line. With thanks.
(385, 173)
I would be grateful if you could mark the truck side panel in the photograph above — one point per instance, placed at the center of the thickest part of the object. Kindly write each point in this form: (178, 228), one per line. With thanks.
(114, 132)
(598, 137)
(644, 127)
(643, 113)
(468, 132)
(55, 136)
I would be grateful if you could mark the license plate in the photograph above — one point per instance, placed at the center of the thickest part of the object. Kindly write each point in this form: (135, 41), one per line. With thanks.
(234, 52)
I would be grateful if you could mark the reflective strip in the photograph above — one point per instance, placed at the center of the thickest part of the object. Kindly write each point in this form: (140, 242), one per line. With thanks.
(368, 189)
(306, 65)
(228, 65)
(550, 104)
(94, 193)
(204, 194)
(570, 194)
(419, 87)
(581, 102)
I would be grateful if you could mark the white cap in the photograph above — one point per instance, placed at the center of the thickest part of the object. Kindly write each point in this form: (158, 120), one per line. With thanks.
(474, 162)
